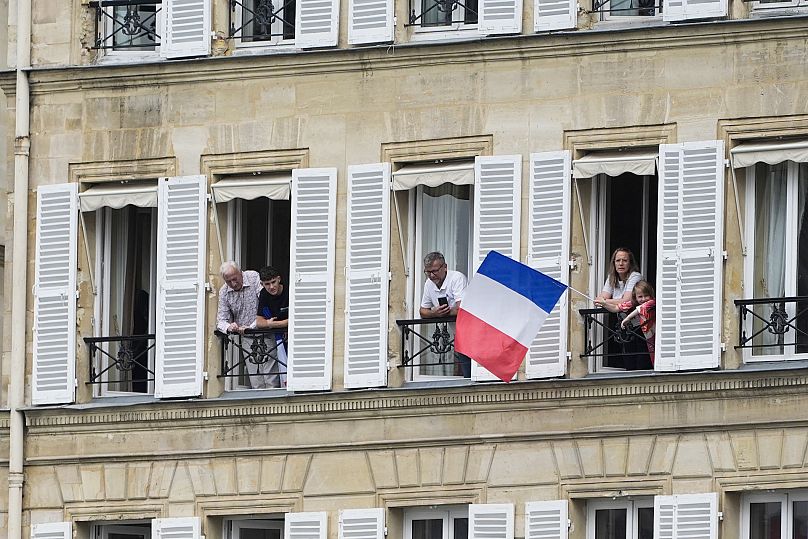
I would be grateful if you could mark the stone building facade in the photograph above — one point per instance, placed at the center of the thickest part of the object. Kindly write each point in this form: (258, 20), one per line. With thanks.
(341, 142)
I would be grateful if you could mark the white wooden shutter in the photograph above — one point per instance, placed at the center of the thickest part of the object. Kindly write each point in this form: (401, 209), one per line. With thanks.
(370, 21)
(680, 10)
(497, 210)
(686, 516)
(554, 15)
(311, 269)
(361, 524)
(546, 520)
(367, 271)
(306, 525)
(176, 528)
(690, 256)
(500, 16)
(548, 252)
(181, 248)
(316, 23)
(52, 530)
(54, 369)
(187, 28)
(491, 521)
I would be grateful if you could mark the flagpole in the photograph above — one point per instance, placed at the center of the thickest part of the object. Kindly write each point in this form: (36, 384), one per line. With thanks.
(581, 294)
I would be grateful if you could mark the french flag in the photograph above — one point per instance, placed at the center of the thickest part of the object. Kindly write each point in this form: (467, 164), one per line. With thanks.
(503, 308)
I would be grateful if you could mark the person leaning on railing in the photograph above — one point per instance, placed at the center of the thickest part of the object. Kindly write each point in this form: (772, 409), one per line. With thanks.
(272, 313)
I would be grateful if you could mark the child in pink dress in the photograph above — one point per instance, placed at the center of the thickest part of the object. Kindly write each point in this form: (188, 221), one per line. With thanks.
(643, 297)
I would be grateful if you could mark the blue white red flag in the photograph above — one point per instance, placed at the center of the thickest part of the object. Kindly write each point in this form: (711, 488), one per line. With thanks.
(503, 308)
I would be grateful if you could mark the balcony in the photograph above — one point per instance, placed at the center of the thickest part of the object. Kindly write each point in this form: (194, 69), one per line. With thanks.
(442, 13)
(427, 347)
(262, 20)
(126, 25)
(622, 9)
(613, 346)
(254, 360)
(773, 328)
(121, 364)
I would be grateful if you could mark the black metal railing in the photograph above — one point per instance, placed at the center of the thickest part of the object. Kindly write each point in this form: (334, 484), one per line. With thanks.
(256, 353)
(437, 13)
(427, 343)
(132, 28)
(617, 346)
(625, 8)
(258, 17)
(773, 325)
(122, 363)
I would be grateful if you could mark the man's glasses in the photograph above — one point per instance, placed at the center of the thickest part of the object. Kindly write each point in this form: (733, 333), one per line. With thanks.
(432, 272)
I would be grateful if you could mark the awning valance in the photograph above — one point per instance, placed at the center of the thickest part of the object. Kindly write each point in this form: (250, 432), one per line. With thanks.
(117, 196)
(639, 162)
(745, 155)
(408, 177)
(275, 187)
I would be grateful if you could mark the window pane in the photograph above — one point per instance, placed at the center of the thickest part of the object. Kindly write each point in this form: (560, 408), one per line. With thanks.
(134, 27)
(427, 529)
(645, 523)
(799, 520)
(610, 524)
(257, 533)
(764, 520)
(802, 259)
(461, 528)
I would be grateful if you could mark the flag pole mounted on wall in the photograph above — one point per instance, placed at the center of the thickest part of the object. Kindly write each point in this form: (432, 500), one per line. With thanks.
(503, 309)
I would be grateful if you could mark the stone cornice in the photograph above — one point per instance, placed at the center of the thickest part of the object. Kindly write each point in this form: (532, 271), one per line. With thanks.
(401, 56)
(4, 421)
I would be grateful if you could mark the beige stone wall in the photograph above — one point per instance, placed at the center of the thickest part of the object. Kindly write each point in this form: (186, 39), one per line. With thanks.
(3, 32)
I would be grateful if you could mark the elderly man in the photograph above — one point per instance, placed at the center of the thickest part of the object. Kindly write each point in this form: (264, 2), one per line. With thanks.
(238, 298)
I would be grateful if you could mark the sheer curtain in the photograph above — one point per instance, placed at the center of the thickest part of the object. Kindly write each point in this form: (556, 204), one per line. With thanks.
(802, 258)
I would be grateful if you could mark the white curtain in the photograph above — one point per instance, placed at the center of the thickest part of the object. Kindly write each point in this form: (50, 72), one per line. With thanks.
(802, 257)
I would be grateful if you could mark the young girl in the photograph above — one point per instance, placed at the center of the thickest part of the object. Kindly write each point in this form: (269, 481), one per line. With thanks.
(643, 297)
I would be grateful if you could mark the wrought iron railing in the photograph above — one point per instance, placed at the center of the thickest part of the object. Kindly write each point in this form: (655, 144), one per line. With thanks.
(437, 13)
(626, 8)
(773, 325)
(427, 344)
(605, 338)
(257, 352)
(134, 28)
(122, 363)
(258, 17)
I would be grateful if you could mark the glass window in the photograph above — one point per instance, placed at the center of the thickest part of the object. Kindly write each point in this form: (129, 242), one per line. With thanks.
(440, 523)
(620, 519)
(775, 515)
(263, 21)
(255, 528)
(437, 13)
(136, 530)
(130, 29)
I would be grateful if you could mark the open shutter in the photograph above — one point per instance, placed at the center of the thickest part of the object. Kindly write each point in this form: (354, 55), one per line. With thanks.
(371, 21)
(367, 268)
(305, 525)
(491, 521)
(548, 252)
(52, 530)
(546, 520)
(176, 528)
(497, 206)
(691, 203)
(554, 15)
(311, 269)
(317, 23)
(181, 248)
(54, 369)
(686, 516)
(680, 10)
(500, 16)
(187, 28)
(361, 524)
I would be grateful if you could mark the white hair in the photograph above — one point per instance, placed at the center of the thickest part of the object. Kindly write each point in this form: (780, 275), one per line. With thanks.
(227, 267)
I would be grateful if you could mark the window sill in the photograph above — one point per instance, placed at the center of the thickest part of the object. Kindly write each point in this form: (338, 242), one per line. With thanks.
(457, 32)
(772, 12)
(630, 22)
(125, 59)
(258, 49)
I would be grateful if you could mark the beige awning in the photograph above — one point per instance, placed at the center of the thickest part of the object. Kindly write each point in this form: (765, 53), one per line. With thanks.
(274, 187)
(408, 177)
(117, 195)
(612, 163)
(745, 155)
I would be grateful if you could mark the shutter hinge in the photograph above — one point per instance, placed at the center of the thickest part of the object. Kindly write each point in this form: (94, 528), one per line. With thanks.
(720, 516)
(724, 254)
(77, 293)
(385, 531)
(723, 347)
(205, 375)
(389, 276)
(569, 522)
(75, 382)
(726, 163)
(208, 288)
(208, 196)
(569, 356)
(573, 264)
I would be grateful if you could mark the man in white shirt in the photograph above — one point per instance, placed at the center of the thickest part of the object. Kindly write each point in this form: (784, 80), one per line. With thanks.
(443, 292)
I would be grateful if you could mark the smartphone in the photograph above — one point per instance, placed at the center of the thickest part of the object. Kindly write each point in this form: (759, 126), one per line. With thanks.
(442, 300)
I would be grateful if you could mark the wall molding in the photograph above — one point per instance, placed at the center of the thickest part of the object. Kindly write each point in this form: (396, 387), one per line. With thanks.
(264, 161)
(116, 171)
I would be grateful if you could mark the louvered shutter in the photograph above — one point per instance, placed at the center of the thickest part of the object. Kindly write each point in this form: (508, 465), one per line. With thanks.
(554, 15)
(497, 206)
(181, 248)
(548, 251)
(367, 268)
(690, 258)
(311, 268)
(546, 520)
(491, 521)
(370, 21)
(176, 528)
(54, 369)
(317, 23)
(686, 516)
(187, 28)
(52, 530)
(361, 524)
(500, 16)
(680, 10)
(306, 525)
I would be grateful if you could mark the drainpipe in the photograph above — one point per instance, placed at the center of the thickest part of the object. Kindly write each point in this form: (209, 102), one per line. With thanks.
(16, 395)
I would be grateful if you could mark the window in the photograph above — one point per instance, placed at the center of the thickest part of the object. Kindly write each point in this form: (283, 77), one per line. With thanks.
(620, 519)
(442, 15)
(263, 22)
(132, 30)
(626, 10)
(440, 523)
(776, 515)
(134, 530)
(777, 264)
(270, 527)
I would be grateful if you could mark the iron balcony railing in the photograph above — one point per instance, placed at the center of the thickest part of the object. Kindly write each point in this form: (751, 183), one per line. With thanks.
(427, 342)
(773, 325)
(437, 13)
(627, 8)
(255, 348)
(121, 363)
(605, 338)
(132, 28)
(259, 17)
